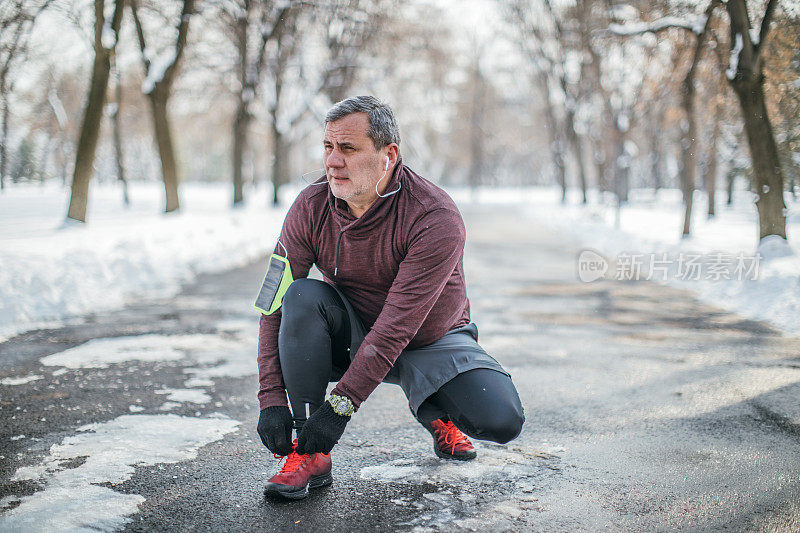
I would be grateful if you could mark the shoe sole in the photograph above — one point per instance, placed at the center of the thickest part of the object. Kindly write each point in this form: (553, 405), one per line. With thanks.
(444, 455)
(298, 494)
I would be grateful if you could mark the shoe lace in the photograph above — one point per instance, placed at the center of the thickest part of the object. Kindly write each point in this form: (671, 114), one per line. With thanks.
(452, 435)
(293, 460)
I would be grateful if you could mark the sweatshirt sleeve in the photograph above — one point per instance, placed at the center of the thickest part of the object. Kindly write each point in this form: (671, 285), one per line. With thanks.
(435, 250)
(295, 237)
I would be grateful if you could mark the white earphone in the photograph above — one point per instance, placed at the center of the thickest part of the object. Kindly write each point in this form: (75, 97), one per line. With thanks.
(385, 170)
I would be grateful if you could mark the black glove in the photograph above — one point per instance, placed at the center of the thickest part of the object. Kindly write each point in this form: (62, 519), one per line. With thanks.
(321, 431)
(275, 429)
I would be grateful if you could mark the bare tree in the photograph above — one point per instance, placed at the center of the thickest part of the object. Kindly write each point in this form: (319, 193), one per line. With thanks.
(287, 42)
(113, 114)
(688, 96)
(477, 115)
(348, 26)
(352, 25)
(16, 25)
(105, 40)
(244, 18)
(546, 43)
(161, 73)
(746, 76)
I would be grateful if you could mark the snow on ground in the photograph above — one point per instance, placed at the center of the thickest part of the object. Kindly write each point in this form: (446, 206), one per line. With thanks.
(21, 380)
(722, 261)
(212, 356)
(493, 463)
(110, 451)
(99, 353)
(113, 449)
(52, 271)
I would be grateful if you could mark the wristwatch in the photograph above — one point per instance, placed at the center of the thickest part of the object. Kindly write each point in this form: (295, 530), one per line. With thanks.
(342, 405)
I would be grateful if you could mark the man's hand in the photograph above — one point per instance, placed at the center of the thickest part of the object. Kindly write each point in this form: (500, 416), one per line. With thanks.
(321, 431)
(275, 429)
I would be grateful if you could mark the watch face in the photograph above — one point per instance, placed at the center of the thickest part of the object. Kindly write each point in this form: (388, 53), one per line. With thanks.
(341, 407)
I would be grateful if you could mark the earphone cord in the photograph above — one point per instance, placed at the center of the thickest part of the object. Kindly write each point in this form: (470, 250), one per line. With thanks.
(391, 193)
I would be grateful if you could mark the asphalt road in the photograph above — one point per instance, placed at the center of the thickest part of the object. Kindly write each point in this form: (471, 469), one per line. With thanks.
(646, 410)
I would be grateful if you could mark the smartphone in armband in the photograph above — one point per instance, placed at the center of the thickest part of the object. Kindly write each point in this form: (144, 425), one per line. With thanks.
(276, 283)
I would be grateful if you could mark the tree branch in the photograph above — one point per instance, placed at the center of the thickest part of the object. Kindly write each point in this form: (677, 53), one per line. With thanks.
(765, 22)
(140, 34)
(701, 38)
(655, 27)
(180, 42)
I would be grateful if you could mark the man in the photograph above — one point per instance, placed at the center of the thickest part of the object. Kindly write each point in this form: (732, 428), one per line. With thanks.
(392, 307)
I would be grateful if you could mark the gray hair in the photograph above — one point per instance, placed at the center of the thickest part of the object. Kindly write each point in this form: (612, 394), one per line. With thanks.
(382, 128)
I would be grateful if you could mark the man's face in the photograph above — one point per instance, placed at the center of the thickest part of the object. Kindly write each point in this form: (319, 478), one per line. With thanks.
(352, 163)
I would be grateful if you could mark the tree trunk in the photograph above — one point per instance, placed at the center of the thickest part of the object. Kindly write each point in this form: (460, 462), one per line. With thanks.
(242, 119)
(556, 148)
(240, 125)
(158, 94)
(689, 127)
(93, 113)
(158, 105)
(476, 138)
(710, 178)
(43, 157)
(4, 145)
(601, 163)
(279, 161)
(577, 150)
(90, 127)
(118, 136)
(747, 80)
(764, 155)
(656, 136)
(731, 180)
(621, 165)
(688, 161)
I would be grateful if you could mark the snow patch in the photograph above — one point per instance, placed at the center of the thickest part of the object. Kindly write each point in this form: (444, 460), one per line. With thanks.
(72, 500)
(51, 272)
(20, 381)
(99, 353)
(186, 395)
(198, 382)
(493, 463)
(775, 247)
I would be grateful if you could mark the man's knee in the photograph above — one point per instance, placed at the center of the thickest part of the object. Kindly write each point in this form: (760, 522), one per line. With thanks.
(303, 294)
(503, 426)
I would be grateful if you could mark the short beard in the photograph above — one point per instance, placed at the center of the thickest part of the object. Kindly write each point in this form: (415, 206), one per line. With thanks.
(352, 195)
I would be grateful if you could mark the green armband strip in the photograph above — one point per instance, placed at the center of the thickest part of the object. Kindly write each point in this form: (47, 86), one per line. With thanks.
(276, 283)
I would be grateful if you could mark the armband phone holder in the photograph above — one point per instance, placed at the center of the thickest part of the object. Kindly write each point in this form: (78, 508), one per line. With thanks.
(276, 283)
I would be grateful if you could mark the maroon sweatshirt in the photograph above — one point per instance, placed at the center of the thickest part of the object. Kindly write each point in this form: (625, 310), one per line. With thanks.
(400, 265)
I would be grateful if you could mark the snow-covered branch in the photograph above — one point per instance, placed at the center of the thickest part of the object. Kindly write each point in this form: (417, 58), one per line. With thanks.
(158, 67)
(733, 62)
(638, 28)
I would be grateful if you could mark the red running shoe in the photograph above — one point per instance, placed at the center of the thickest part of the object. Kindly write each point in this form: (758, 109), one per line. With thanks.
(299, 474)
(449, 442)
